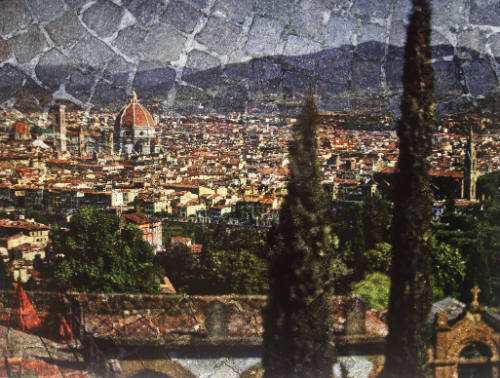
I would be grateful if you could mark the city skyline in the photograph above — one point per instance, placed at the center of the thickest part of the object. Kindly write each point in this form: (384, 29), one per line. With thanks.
(247, 188)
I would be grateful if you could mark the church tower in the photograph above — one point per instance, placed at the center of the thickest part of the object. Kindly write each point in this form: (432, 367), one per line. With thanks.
(81, 141)
(61, 127)
(109, 143)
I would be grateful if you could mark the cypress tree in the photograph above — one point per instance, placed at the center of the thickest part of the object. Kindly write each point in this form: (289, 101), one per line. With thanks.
(297, 328)
(409, 302)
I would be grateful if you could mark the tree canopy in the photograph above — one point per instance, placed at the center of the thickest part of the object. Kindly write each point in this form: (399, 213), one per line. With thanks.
(488, 185)
(297, 328)
(232, 261)
(475, 232)
(410, 293)
(98, 253)
(374, 288)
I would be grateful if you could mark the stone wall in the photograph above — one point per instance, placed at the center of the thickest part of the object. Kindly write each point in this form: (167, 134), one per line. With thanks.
(226, 316)
(238, 55)
(209, 336)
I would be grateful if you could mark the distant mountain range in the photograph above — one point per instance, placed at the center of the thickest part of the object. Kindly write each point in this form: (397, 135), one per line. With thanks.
(364, 78)
(256, 56)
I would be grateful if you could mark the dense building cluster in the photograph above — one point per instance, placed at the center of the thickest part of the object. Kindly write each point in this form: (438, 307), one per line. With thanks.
(204, 169)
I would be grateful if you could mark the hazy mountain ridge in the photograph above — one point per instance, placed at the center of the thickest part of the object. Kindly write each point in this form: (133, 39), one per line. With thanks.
(215, 56)
(345, 79)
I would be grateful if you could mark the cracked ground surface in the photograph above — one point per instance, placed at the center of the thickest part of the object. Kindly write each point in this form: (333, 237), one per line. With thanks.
(238, 55)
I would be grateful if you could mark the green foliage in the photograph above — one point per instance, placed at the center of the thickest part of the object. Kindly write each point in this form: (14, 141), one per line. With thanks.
(488, 185)
(352, 232)
(180, 267)
(489, 250)
(360, 228)
(99, 254)
(374, 289)
(11, 216)
(37, 215)
(185, 229)
(378, 259)
(233, 261)
(297, 328)
(241, 272)
(448, 270)
(376, 221)
(410, 294)
(474, 232)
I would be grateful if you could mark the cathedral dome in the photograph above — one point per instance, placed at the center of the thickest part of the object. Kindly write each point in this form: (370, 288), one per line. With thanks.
(19, 131)
(19, 127)
(134, 128)
(134, 115)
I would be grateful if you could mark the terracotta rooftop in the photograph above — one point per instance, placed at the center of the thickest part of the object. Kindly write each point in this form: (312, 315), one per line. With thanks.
(447, 173)
(196, 248)
(22, 224)
(136, 218)
(180, 239)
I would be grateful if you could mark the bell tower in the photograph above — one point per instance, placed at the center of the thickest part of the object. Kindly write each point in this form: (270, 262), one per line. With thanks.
(61, 127)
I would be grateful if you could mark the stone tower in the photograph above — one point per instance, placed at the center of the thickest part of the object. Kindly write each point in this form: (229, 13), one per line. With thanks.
(470, 168)
(61, 128)
(81, 140)
(109, 143)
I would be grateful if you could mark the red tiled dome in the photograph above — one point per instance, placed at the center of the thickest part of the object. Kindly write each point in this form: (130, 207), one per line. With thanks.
(19, 127)
(134, 114)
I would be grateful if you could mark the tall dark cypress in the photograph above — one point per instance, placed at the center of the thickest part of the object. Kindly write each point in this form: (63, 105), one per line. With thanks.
(297, 328)
(409, 300)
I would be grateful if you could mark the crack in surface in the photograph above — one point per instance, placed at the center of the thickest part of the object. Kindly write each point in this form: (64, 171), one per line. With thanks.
(235, 51)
